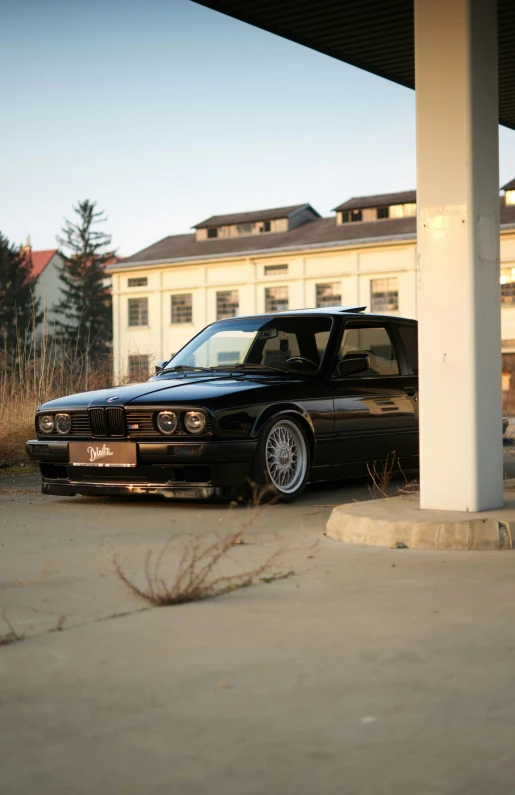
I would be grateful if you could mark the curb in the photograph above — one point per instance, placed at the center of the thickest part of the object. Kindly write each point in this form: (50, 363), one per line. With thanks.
(366, 524)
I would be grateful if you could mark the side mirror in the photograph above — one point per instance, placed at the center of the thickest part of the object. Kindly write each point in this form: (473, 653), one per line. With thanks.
(351, 365)
(159, 366)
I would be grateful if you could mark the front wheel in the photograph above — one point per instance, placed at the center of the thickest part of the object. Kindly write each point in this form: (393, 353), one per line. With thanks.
(281, 465)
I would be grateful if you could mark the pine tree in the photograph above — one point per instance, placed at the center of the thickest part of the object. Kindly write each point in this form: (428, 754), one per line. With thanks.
(84, 317)
(19, 309)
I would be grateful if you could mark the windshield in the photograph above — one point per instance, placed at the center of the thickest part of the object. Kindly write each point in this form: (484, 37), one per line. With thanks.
(284, 343)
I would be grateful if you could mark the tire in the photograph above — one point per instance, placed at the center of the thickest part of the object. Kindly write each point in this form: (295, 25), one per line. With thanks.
(281, 465)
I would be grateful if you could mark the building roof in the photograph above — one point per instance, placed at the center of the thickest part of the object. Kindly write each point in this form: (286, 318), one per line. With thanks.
(370, 34)
(379, 200)
(255, 215)
(509, 185)
(322, 232)
(40, 260)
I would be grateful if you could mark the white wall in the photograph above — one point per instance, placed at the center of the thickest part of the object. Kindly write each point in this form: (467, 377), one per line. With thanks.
(508, 313)
(352, 270)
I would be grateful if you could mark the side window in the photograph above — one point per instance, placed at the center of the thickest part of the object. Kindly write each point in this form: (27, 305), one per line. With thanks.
(376, 343)
(409, 337)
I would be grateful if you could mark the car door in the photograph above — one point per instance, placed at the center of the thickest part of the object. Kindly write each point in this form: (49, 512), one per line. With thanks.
(375, 410)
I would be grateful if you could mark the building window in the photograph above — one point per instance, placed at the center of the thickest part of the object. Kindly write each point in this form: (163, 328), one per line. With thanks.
(266, 226)
(383, 212)
(384, 295)
(182, 308)
(227, 304)
(140, 281)
(212, 232)
(138, 311)
(276, 270)
(356, 215)
(508, 286)
(328, 294)
(245, 229)
(138, 367)
(345, 217)
(276, 299)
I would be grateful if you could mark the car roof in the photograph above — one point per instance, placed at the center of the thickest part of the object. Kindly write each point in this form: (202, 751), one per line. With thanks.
(333, 311)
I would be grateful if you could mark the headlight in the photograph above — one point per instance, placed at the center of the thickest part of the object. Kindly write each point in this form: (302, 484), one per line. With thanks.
(63, 423)
(195, 421)
(166, 422)
(46, 423)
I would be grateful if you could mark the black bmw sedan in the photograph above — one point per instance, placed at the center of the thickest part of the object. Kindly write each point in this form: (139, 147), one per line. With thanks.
(272, 401)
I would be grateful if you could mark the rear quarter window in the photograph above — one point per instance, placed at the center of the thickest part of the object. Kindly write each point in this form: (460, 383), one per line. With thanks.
(409, 338)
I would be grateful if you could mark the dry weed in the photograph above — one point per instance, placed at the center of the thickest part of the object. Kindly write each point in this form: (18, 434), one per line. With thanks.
(12, 636)
(42, 368)
(384, 473)
(197, 577)
(59, 624)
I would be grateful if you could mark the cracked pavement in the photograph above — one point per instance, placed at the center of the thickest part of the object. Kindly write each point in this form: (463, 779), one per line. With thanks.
(368, 670)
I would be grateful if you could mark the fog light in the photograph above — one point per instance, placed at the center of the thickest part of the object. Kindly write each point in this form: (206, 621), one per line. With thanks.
(195, 421)
(166, 422)
(63, 423)
(46, 423)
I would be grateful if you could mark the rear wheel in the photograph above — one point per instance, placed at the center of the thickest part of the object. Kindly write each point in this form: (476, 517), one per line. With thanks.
(281, 465)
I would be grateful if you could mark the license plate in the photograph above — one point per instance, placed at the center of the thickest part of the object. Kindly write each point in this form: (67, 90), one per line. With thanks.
(104, 454)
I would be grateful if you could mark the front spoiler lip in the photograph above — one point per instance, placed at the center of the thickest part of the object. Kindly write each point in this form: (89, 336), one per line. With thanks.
(186, 491)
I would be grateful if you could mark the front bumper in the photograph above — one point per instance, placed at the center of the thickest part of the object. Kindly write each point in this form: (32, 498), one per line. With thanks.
(204, 470)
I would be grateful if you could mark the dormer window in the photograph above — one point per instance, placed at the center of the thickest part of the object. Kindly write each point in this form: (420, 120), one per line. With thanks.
(383, 212)
(351, 215)
(212, 231)
(265, 226)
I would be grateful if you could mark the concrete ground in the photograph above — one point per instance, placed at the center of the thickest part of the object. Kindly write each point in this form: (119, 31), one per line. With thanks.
(368, 670)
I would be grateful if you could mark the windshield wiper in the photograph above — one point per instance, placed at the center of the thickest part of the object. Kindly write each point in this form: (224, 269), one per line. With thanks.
(186, 368)
(249, 366)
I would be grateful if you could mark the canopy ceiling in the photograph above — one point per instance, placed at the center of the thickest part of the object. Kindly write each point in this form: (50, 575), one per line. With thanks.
(376, 35)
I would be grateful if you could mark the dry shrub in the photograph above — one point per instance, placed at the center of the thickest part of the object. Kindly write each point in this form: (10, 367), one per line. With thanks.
(383, 473)
(197, 577)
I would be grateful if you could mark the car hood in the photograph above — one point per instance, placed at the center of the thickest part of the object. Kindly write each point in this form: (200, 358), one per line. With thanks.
(192, 389)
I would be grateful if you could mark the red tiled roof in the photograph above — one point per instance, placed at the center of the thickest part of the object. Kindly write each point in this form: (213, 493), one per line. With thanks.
(40, 260)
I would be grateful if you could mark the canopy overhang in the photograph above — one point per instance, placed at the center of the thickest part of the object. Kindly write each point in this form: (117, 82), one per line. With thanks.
(374, 35)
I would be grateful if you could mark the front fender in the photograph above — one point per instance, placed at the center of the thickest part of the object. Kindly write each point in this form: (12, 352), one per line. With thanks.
(278, 410)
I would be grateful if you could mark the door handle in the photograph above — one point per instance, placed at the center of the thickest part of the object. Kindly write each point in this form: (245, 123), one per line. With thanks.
(410, 390)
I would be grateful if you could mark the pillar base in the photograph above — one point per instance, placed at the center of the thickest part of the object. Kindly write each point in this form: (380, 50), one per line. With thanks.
(399, 522)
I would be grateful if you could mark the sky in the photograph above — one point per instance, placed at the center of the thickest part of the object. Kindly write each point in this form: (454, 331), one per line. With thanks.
(165, 112)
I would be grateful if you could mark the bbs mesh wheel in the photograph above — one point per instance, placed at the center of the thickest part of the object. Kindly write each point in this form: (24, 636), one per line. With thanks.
(281, 464)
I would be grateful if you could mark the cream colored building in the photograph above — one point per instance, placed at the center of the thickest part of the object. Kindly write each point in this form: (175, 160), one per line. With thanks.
(287, 257)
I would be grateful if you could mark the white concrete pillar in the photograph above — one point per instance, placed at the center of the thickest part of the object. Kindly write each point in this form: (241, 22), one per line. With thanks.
(458, 254)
